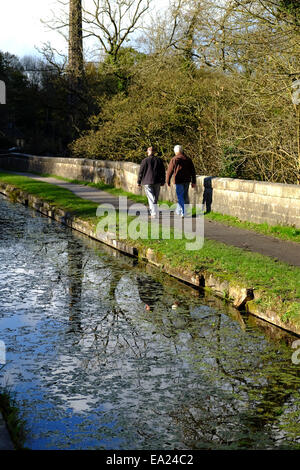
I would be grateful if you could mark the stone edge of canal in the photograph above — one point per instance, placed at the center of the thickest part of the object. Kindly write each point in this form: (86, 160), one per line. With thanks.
(240, 296)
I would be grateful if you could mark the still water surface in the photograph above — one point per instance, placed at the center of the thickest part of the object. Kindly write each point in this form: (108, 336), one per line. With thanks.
(91, 368)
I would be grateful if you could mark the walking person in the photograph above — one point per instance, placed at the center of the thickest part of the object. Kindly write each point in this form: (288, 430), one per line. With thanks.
(183, 171)
(152, 175)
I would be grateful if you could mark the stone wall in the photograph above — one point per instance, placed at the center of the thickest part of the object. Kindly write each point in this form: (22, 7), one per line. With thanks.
(252, 201)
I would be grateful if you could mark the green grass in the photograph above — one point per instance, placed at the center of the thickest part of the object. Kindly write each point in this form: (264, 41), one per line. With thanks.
(55, 195)
(276, 231)
(231, 263)
(278, 283)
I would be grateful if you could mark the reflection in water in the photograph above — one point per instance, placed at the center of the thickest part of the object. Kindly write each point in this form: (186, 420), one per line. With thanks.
(150, 291)
(75, 275)
(94, 369)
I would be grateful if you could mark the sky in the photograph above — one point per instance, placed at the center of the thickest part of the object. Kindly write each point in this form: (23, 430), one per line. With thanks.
(21, 29)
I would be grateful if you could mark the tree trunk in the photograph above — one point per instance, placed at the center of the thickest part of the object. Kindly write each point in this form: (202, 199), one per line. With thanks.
(75, 69)
(75, 66)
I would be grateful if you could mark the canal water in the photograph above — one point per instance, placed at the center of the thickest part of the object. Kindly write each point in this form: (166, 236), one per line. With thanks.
(103, 352)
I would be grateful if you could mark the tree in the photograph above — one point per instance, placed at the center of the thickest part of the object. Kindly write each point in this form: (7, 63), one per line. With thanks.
(113, 21)
(75, 69)
(110, 22)
(75, 62)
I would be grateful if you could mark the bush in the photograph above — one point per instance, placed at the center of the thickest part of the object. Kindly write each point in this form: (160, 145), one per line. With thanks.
(225, 122)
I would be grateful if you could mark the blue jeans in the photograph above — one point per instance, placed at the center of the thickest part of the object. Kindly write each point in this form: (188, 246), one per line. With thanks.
(182, 192)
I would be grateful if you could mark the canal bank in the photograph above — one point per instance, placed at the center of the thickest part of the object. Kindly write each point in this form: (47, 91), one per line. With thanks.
(256, 300)
(91, 367)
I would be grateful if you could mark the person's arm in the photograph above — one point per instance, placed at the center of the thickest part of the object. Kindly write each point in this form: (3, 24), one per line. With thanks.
(170, 172)
(193, 174)
(141, 173)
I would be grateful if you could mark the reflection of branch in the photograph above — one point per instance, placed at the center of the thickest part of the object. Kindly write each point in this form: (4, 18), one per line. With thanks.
(107, 336)
(135, 334)
(202, 428)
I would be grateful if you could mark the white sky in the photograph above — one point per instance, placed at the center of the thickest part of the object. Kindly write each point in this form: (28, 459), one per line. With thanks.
(21, 29)
(20, 26)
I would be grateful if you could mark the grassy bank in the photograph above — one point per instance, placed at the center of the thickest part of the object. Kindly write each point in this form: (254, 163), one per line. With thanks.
(277, 284)
(277, 231)
(58, 197)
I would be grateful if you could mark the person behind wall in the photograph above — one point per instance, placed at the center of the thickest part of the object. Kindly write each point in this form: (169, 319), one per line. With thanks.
(152, 175)
(182, 169)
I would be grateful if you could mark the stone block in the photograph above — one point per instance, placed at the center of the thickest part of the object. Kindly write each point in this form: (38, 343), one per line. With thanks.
(240, 295)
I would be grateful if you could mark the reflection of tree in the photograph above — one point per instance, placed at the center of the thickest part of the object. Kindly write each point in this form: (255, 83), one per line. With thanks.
(150, 291)
(75, 277)
(269, 401)
(245, 392)
(13, 222)
(235, 387)
(111, 331)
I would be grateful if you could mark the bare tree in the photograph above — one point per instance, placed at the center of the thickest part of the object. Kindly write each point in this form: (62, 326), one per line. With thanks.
(110, 22)
(113, 21)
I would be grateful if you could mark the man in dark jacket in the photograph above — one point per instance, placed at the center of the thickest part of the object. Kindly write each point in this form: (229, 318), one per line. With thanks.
(183, 171)
(152, 176)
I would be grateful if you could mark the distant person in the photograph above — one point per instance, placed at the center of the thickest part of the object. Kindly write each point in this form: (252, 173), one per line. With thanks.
(152, 176)
(182, 169)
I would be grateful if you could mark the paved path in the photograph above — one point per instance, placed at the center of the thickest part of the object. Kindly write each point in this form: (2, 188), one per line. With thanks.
(286, 251)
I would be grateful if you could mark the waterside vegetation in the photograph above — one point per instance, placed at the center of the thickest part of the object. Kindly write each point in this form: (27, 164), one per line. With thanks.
(216, 77)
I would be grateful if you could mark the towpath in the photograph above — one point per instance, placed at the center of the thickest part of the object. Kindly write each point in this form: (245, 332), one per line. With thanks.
(285, 251)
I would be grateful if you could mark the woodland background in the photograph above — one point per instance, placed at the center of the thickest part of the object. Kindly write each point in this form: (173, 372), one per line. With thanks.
(214, 77)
